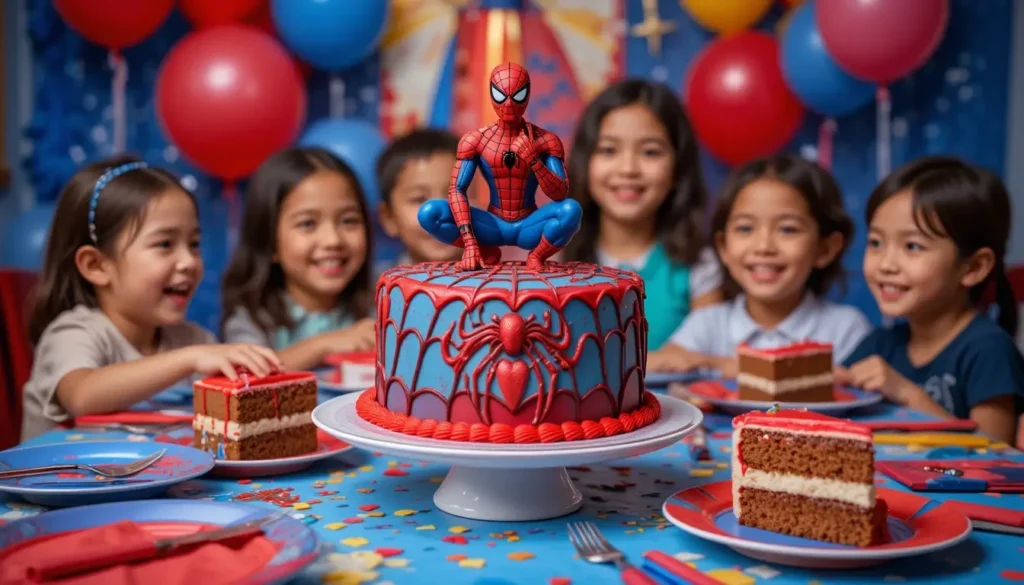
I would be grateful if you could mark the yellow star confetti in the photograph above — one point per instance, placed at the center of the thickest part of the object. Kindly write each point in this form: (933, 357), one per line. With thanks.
(365, 490)
(256, 486)
(335, 480)
(300, 506)
(520, 556)
(731, 577)
(426, 527)
(375, 514)
(351, 474)
(348, 577)
(335, 526)
(722, 465)
(366, 468)
(702, 472)
(396, 563)
(404, 512)
(458, 529)
(355, 541)
(392, 464)
(368, 558)
(436, 479)
(472, 563)
(513, 538)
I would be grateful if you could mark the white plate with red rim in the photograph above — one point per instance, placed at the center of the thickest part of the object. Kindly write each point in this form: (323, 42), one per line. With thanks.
(328, 446)
(917, 525)
(723, 395)
(331, 378)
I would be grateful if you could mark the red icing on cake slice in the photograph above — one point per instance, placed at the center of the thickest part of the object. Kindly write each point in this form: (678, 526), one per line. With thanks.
(250, 382)
(795, 350)
(803, 421)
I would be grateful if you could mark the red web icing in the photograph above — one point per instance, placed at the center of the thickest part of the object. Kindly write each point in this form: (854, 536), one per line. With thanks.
(510, 335)
(369, 409)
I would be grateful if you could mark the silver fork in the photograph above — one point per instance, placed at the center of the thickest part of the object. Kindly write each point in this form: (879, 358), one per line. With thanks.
(592, 547)
(125, 470)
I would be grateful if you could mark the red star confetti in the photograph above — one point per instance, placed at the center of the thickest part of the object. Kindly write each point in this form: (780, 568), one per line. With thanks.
(245, 481)
(1012, 575)
(368, 507)
(395, 472)
(353, 520)
(455, 539)
(560, 581)
(388, 552)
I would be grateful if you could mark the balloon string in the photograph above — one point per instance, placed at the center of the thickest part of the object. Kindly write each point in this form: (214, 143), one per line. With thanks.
(336, 89)
(118, 86)
(234, 203)
(826, 136)
(884, 130)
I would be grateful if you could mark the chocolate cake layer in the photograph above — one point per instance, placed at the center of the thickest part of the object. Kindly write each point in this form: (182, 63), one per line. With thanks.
(824, 457)
(818, 519)
(824, 393)
(273, 445)
(786, 367)
(257, 404)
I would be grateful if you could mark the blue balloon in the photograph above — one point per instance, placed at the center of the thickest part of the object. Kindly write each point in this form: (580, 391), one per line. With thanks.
(330, 34)
(24, 238)
(358, 143)
(811, 72)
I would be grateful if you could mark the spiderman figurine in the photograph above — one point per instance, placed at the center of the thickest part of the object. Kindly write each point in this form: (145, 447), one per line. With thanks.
(514, 157)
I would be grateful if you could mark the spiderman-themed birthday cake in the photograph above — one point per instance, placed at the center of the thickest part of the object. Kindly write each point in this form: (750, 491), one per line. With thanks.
(515, 352)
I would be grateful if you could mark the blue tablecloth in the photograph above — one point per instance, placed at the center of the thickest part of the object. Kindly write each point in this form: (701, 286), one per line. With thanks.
(356, 504)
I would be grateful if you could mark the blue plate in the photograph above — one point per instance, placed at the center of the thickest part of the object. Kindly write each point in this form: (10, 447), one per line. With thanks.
(80, 487)
(297, 543)
(723, 395)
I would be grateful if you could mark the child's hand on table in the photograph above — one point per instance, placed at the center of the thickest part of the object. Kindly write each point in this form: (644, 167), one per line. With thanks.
(227, 358)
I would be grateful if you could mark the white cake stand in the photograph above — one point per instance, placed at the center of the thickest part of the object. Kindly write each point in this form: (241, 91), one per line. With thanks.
(508, 482)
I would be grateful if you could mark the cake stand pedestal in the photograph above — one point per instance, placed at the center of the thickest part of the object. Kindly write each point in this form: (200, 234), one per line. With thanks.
(508, 482)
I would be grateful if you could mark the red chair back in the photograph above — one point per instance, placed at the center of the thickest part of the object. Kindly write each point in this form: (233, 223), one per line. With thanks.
(16, 288)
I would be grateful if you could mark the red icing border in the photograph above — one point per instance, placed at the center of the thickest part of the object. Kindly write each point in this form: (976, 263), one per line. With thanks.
(370, 410)
(802, 420)
(793, 350)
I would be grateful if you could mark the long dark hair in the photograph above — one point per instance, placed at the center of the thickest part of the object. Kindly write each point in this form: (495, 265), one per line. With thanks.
(122, 206)
(824, 201)
(968, 205)
(679, 219)
(256, 283)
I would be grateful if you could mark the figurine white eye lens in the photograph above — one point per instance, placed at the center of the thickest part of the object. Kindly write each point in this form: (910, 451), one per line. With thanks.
(496, 95)
(521, 94)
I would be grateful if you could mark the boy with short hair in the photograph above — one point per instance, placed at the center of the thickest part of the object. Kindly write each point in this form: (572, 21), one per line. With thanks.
(413, 169)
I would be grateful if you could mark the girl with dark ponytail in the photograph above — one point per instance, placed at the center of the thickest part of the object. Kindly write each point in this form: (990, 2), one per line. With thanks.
(938, 231)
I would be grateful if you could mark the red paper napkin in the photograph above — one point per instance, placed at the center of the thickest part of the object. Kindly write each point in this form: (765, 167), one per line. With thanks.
(212, 563)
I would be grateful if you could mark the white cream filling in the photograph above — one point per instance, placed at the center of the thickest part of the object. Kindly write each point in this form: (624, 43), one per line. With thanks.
(237, 431)
(358, 374)
(783, 386)
(858, 494)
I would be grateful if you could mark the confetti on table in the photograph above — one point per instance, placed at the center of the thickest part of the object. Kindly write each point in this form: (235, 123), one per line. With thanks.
(395, 472)
(560, 581)
(456, 557)
(349, 577)
(458, 529)
(392, 464)
(376, 514)
(455, 540)
(354, 520)
(426, 527)
(520, 556)
(366, 468)
(386, 552)
(396, 563)
(763, 572)
(1012, 575)
(368, 507)
(300, 506)
(355, 541)
(722, 465)
(335, 480)
(404, 512)
(368, 558)
(472, 563)
(731, 577)
(245, 481)
(436, 479)
(365, 490)
(335, 526)
(513, 538)
(702, 472)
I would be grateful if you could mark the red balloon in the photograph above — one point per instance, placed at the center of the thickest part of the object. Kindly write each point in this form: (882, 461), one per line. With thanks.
(205, 13)
(228, 97)
(115, 24)
(880, 40)
(739, 104)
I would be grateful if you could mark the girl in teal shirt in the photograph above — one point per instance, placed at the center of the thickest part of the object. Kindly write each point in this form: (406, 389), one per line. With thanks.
(636, 172)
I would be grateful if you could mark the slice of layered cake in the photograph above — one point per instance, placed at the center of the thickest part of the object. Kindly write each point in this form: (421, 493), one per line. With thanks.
(255, 418)
(808, 475)
(800, 372)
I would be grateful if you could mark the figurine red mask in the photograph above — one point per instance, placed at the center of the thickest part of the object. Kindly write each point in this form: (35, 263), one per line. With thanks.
(510, 92)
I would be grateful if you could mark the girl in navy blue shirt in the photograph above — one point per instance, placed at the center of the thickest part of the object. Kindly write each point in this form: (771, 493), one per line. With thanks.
(938, 230)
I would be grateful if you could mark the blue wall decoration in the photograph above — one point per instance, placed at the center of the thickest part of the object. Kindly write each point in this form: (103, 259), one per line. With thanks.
(957, 103)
